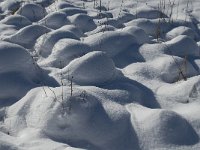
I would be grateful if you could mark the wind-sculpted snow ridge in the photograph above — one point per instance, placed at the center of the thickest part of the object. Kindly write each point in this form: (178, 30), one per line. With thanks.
(99, 75)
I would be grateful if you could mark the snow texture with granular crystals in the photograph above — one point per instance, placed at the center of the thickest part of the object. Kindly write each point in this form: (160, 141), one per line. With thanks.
(99, 75)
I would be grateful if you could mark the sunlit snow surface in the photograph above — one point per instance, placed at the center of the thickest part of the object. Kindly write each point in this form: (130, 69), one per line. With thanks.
(85, 75)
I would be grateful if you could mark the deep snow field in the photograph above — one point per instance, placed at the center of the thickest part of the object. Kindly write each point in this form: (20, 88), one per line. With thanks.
(85, 75)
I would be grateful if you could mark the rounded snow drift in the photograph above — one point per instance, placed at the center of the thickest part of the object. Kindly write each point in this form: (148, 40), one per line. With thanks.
(16, 20)
(149, 13)
(110, 21)
(83, 22)
(181, 30)
(9, 5)
(55, 20)
(150, 26)
(139, 34)
(33, 12)
(93, 68)
(172, 128)
(112, 42)
(82, 114)
(101, 29)
(17, 71)
(63, 4)
(70, 11)
(163, 126)
(46, 42)
(72, 28)
(14, 58)
(28, 35)
(64, 51)
(182, 46)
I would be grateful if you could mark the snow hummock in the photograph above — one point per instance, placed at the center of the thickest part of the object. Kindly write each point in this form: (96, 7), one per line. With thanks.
(64, 51)
(182, 45)
(181, 30)
(72, 118)
(83, 22)
(120, 42)
(46, 42)
(55, 20)
(28, 35)
(139, 34)
(33, 12)
(17, 71)
(93, 68)
(161, 126)
(16, 20)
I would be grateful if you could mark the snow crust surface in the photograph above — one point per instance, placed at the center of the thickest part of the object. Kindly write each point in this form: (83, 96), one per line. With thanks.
(85, 75)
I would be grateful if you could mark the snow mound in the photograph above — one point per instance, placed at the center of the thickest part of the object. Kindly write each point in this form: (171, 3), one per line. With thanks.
(100, 15)
(162, 127)
(33, 12)
(190, 112)
(14, 85)
(125, 17)
(16, 20)
(45, 3)
(55, 20)
(139, 34)
(151, 26)
(46, 42)
(83, 22)
(17, 71)
(101, 29)
(171, 68)
(64, 120)
(181, 30)
(28, 35)
(164, 68)
(63, 4)
(72, 28)
(110, 21)
(187, 90)
(64, 51)
(91, 69)
(73, 11)
(149, 13)
(6, 30)
(120, 42)
(14, 58)
(182, 46)
(5, 142)
(10, 5)
(157, 49)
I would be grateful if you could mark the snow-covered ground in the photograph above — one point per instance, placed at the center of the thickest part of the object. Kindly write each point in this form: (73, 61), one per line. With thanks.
(99, 75)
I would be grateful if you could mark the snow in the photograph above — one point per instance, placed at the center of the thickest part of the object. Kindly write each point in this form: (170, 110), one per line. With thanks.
(28, 35)
(75, 75)
(139, 34)
(15, 80)
(83, 22)
(149, 13)
(64, 51)
(161, 126)
(16, 20)
(183, 45)
(55, 20)
(92, 68)
(11, 5)
(33, 12)
(45, 43)
(181, 30)
(101, 42)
